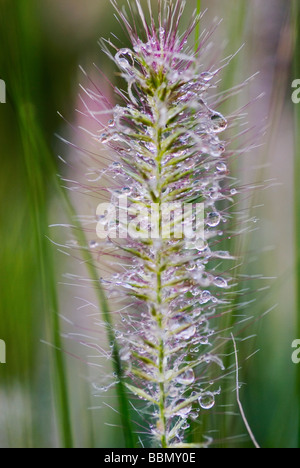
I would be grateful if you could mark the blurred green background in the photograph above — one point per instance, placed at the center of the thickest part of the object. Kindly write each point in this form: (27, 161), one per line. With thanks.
(45, 394)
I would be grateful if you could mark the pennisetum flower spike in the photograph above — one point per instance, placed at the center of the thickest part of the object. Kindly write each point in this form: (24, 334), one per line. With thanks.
(168, 186)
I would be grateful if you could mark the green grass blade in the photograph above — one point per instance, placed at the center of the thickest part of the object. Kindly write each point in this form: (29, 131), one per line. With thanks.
(21, 70)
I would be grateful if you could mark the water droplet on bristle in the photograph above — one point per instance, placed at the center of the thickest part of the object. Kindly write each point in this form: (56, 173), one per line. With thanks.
(125, 354)
(216, 150)
(93, 244)
(121, 59)
(183, 412)
(193, 415)
(104, 138)
(162, 33)
(182, 327)
(213, 219)
(221, 167)
(173, 392)
(219, 122)
(126, 191)
(220, 282)
(205, 297)
(206, 76)
(187, 377)
(207, 401)
(191, 266)
(204, 340)
(222, 254)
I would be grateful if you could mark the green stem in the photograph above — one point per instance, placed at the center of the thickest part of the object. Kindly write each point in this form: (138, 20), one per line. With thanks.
(159, 313)
(161, 363)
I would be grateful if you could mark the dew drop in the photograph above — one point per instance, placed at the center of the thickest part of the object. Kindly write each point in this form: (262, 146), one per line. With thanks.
(205, 280)
(126, 191)
(221, 167)
(191, 266)
(173, 392)
(204, 340)
(193, 415)
(201, 245)
(207, 76)
(205, 297)
(188, 333)
(220, 282)
(197, 313)
(222, 254)
(233, 191)
(183, 412)
(104, 138)
(207, 401)
(121, 59)
(213, 219)
(214, 193)
(187, 377)
(125, 354)
(182, 327)
(185, 426)
(216, 150)
(219, 122)
(93, 244)
(162, 33)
